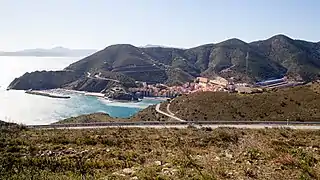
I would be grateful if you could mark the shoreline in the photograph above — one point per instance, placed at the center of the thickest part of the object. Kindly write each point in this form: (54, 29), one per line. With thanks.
(71, 91)
(76, 106)
(99, 95)
(87, 93)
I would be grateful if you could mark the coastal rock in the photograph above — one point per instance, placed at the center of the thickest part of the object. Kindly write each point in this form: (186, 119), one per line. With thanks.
(120, 94)
(73, 80)
(90, 85)
(40, 80)
(123, 97)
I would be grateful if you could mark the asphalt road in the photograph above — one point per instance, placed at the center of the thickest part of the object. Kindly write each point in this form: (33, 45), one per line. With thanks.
(213, 126)
(101, 78)
(184, 124)
(180, 123)
(168, 115)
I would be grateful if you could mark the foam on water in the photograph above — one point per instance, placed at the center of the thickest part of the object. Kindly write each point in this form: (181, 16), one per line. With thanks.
(141, 105)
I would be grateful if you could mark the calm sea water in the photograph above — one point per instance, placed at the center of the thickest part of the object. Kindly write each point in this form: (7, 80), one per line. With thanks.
(19, 107)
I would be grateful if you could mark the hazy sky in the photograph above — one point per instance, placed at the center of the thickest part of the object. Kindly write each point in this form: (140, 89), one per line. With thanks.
(179, 23)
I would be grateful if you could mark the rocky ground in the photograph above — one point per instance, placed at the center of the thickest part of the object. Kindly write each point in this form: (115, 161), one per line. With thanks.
(120, 153)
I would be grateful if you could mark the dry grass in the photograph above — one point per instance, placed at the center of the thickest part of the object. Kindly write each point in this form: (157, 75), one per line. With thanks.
(296, 104)
(191, 153)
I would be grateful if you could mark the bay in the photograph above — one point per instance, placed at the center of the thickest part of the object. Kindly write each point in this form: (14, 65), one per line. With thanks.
(19, 107)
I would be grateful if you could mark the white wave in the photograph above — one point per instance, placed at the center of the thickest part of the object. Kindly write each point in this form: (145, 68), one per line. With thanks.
(140, 105)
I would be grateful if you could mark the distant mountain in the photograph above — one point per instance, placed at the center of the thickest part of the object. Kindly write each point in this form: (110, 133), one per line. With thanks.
(151, 46)
(54, 52)
(246, 62)
(154, 46)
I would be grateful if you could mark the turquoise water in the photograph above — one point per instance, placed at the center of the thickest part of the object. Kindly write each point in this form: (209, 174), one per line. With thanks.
(19, 107)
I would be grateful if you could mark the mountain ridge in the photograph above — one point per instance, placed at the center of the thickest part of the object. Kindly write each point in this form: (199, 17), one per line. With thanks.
(58, 51)
(274, 57)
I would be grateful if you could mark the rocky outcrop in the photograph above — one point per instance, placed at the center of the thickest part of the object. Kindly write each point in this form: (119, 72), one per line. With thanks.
(67, 79)
(120, 94)
(123, 97)
(40, 80)
(90, 85)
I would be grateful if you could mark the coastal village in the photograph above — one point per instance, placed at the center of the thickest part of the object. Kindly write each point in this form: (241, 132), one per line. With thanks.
(203, 84)
(200, 84)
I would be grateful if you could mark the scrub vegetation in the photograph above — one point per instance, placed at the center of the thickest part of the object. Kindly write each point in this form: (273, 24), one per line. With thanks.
(143, 153)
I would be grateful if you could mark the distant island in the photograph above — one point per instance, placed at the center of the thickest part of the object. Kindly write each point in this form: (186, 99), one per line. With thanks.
(53, 52)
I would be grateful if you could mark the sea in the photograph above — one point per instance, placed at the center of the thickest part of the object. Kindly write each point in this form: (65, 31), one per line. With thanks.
(18, 107)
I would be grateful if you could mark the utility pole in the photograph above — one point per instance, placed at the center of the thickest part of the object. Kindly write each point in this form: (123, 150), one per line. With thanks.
(247, 59)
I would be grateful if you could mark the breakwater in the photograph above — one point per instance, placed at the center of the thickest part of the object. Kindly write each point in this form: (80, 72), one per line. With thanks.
(46, 94)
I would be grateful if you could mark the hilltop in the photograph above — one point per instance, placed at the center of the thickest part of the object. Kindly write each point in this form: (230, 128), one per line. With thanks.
(270, 58)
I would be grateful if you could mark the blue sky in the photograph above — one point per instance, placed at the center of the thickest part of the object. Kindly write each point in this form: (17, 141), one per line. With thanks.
(180, 23)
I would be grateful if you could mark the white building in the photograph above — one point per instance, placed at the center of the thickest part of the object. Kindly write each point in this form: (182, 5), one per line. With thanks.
(202, 81)
(219, 81)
